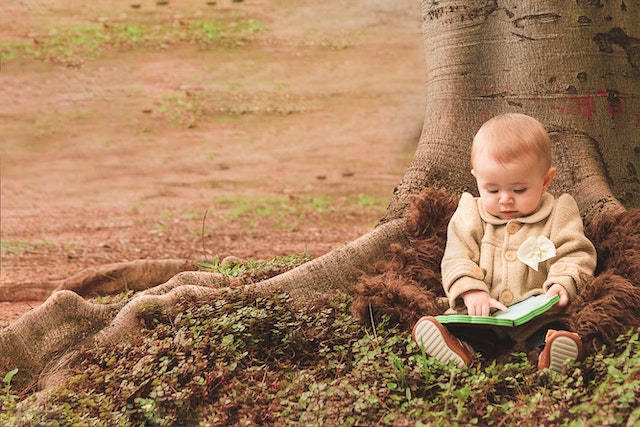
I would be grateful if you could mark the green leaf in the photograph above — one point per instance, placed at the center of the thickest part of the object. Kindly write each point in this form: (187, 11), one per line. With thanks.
(9, 376)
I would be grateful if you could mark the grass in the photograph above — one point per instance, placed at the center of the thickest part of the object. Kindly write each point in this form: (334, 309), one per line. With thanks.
(15, 247)
(259, 359)
(255, 271)
(279, 212)
(188, 109)
(183, 109)
(72, 45)
(287, 212)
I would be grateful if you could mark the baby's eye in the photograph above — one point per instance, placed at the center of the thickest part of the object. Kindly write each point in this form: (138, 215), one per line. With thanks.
(492, 191)
(519, 190)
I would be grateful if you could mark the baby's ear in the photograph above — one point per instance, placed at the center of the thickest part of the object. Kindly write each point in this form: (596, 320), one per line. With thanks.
(473, 172)
(551, 173)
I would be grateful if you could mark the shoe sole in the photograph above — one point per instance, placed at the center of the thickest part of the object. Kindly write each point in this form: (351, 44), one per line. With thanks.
(429, 336)
(562, 349)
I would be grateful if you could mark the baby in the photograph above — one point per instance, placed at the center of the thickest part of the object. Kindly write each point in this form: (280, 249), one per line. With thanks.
(483, 269)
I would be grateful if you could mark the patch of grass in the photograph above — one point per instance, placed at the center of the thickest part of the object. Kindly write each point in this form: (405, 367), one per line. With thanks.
(5, 245)
(167, 215)
(252, 271)
(72, 45)
(190, 108)
(160, 230)
(281, 211)
(378, 204)
(8, 399)
(46, 125)
(120, 298)
(185, 109)
(11, 247)
(287, 212)
(36, 251)
(260, 359)
(242, 102)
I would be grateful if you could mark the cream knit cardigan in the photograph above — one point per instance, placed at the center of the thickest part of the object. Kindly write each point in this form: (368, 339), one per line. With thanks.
(481, 254)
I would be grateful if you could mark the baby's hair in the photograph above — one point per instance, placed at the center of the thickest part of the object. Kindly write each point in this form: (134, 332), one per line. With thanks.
(511, 136)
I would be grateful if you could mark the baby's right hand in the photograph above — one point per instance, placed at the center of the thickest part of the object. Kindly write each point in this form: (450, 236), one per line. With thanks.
(480, 303)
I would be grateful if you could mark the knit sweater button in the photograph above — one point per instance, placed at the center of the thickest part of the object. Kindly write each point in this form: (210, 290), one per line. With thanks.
(510, 256)
(477, 272)
(506, 297)
(513, 227)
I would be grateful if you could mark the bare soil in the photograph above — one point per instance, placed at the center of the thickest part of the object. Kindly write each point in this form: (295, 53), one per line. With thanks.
(291, 141)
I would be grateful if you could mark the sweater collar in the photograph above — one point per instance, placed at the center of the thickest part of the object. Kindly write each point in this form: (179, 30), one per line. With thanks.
(542, 212)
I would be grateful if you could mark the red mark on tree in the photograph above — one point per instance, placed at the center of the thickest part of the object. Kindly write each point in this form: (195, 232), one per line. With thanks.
(581, 105)
(585, 106)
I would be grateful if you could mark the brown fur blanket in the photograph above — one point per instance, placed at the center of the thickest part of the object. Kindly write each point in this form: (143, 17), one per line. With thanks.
(407, 285)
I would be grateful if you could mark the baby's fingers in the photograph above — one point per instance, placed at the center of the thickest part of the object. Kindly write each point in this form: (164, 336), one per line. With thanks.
(497, 304)
(561, 291)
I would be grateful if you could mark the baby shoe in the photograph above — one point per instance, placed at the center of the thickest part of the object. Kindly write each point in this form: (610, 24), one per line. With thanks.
(438, 342)
(560, 346)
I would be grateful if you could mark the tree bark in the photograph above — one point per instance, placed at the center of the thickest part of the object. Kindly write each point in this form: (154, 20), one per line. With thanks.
(572, 65)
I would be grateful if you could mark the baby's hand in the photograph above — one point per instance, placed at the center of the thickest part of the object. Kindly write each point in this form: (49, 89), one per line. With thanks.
(480, 303)
(562, 292)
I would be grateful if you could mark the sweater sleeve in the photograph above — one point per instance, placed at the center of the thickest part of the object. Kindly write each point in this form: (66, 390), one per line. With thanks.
(575, 254)
(460, 264)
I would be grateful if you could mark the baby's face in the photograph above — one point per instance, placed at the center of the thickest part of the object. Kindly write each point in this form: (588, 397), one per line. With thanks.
(510, 190)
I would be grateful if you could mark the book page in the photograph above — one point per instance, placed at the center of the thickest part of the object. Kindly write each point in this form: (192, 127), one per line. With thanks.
(530, 305)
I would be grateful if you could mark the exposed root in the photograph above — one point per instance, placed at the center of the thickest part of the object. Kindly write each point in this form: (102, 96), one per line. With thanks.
(67, 324)
(102, 280)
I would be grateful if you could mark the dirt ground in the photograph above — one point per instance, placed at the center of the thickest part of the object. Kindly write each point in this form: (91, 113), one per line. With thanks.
(292, 141)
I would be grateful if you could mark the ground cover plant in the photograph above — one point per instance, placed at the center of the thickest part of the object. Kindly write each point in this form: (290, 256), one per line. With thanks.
(259, 358)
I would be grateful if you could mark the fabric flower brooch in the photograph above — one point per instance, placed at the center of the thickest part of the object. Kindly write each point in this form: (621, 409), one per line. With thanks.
(535, 250)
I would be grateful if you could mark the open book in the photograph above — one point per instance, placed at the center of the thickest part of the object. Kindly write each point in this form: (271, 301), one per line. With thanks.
(517, 314)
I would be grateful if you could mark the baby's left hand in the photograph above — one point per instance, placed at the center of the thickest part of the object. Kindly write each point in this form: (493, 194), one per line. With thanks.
(564, 297)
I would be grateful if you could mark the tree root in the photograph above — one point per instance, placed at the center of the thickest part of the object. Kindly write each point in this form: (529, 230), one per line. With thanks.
(583, 175)
(44, 344)
(48, 330)
(102, 280)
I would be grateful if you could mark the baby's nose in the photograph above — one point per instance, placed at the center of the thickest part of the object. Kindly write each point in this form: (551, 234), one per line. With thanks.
(506, 199)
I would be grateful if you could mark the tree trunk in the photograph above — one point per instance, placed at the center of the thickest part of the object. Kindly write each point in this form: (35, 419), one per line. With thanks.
(572, 65)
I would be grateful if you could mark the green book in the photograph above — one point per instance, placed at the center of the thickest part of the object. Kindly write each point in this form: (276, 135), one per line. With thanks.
(517, 314)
